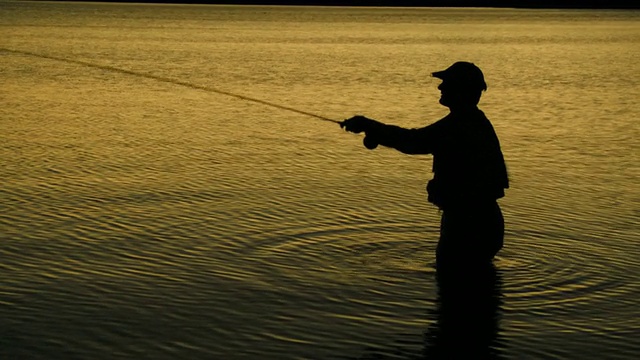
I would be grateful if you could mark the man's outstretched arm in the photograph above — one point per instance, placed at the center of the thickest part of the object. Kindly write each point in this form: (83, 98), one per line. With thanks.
(408, 141)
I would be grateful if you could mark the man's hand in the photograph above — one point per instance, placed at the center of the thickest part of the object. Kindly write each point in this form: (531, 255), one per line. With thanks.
(357, 124)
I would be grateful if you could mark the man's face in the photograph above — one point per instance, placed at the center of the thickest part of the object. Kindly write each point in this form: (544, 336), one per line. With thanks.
(455, 95)
(446, 94)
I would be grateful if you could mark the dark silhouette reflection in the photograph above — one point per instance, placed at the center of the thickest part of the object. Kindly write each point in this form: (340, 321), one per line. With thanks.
(466, 320)
(467, 314)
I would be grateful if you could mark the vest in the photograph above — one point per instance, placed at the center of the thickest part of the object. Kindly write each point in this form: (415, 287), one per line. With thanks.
(468, 164)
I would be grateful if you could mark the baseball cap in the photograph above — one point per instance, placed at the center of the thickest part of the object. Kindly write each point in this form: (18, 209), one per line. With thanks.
(463, 73)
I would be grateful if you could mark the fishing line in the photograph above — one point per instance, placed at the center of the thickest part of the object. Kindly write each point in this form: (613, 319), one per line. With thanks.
(171, 81)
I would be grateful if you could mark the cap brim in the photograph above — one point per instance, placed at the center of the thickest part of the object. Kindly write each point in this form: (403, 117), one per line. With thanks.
(439, 74)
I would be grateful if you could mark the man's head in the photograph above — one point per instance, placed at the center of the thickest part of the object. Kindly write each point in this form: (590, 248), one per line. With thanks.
(462, 85)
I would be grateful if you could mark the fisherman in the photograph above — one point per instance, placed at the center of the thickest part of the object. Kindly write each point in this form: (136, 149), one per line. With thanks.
(468, 166)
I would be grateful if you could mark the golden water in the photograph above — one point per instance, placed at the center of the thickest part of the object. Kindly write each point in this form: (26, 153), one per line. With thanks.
(142, 219)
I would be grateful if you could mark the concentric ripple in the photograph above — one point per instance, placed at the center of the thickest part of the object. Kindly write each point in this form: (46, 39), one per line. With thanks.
(550, 287)
(551, 273)
(366, 250)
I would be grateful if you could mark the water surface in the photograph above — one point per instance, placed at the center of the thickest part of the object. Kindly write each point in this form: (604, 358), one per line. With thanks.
(142, 219)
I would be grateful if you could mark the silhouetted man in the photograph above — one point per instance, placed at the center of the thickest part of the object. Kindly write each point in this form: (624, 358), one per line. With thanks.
(468, 166)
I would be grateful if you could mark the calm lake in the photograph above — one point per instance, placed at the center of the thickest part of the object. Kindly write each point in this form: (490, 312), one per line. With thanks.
(144, 219)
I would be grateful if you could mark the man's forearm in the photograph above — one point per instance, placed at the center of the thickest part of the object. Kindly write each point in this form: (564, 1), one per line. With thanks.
(408, 141)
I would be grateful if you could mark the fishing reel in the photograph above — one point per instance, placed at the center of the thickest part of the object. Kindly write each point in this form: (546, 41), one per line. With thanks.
(370, 143)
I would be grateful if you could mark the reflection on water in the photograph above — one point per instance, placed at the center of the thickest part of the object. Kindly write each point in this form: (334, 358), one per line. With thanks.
(468, 312)
(464, 323)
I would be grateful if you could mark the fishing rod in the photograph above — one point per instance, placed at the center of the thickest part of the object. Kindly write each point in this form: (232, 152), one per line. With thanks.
(171, 81)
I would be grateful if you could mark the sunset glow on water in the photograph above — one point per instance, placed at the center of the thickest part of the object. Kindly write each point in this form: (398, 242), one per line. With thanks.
(144, 219)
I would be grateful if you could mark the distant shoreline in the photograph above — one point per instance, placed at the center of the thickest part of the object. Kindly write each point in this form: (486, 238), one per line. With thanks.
(515, 4)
